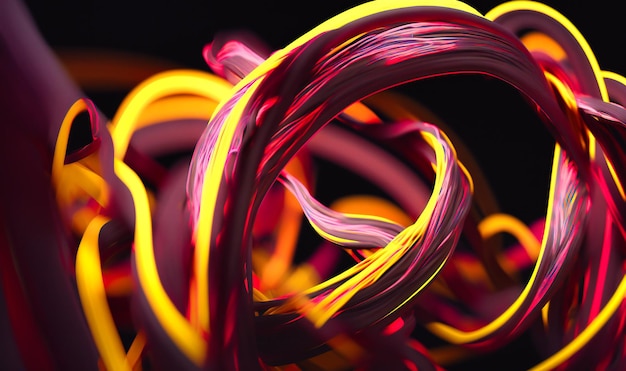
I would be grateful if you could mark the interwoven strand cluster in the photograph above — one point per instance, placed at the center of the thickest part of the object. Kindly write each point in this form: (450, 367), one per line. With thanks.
(172, 238)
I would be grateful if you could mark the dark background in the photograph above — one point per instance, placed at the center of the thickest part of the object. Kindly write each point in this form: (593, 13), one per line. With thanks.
(177, 30)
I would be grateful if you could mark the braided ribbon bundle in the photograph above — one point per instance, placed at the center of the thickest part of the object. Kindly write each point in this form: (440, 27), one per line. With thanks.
(192, 262)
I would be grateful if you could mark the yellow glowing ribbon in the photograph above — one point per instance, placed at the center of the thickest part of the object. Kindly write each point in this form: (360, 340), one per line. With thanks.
(93, 299)
(173, 322)
(588, 333)
(620, 187)
(77, 179)
(73, 182)
(537, 41)
(497, 223)
(176, 108)
(513, 6)
(135, 351)
(457, 336)
(161, 85)
(60, 148)
(210, 186)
